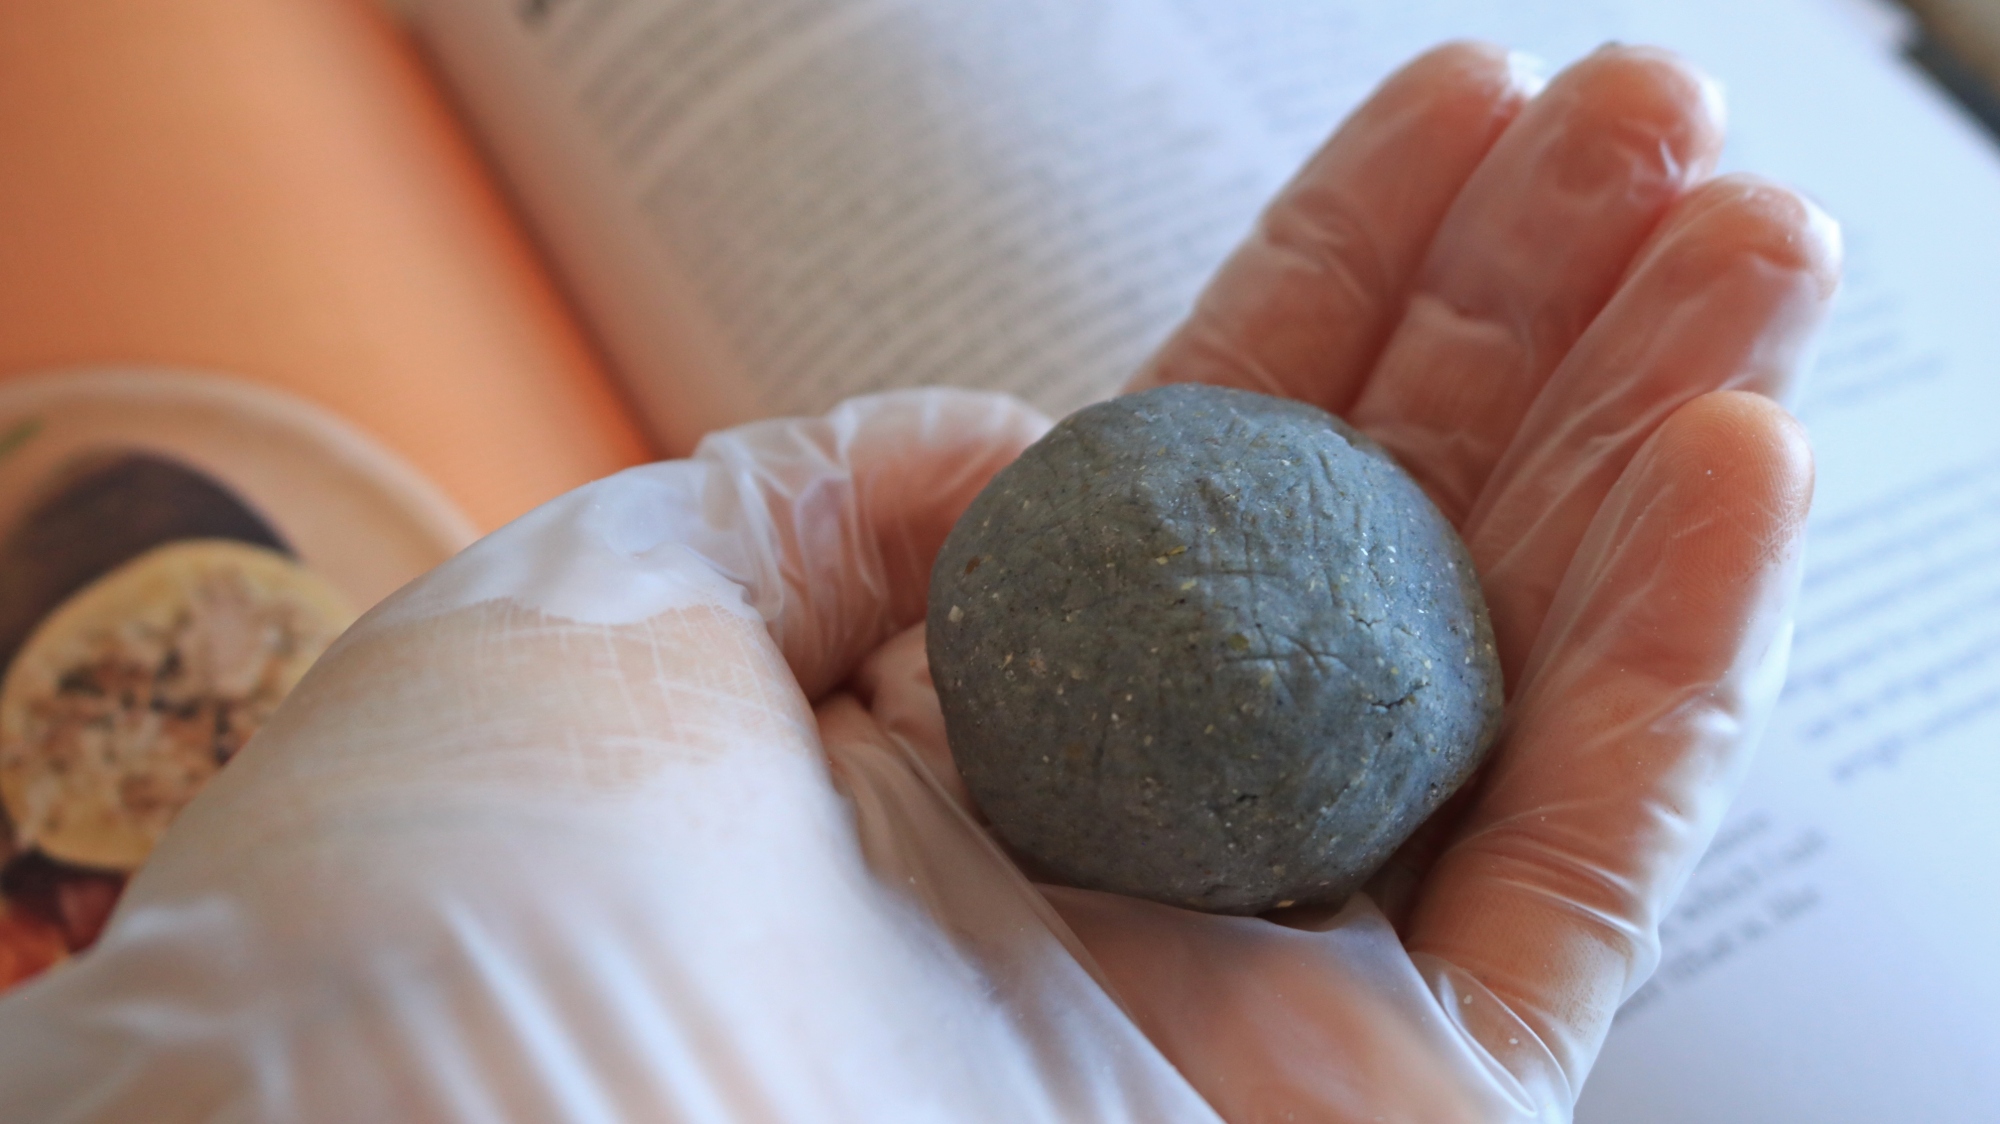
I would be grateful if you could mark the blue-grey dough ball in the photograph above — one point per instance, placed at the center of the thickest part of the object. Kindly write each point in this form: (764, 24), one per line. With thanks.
(1211, 648)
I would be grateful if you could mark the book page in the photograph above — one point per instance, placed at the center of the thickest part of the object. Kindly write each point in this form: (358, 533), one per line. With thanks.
(271, 347)
(279, 194)
(858, 195)
(840, 196)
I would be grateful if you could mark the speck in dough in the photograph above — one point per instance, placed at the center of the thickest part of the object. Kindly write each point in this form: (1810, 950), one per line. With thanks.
(1210, 648)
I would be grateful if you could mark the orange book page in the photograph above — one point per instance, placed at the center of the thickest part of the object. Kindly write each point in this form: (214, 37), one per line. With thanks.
(273, 189)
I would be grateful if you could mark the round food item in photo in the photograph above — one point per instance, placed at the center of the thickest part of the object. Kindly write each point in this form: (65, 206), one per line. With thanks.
(106, 510)
(127, 698)
(1211, 648)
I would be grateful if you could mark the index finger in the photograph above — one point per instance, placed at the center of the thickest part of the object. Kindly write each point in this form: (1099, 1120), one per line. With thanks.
(1528, 255)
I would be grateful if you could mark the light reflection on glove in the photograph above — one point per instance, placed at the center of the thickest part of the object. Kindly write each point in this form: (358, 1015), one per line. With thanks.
(641, 808)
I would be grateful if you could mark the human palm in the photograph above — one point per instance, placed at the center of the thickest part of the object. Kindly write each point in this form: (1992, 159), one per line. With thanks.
(642, 807)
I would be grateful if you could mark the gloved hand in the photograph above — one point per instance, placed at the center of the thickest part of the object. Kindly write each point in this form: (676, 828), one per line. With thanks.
(641, 809)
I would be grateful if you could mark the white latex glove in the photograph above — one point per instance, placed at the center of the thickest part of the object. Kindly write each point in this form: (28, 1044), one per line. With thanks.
(640, 809)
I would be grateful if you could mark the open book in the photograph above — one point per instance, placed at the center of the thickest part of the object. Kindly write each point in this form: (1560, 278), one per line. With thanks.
(839, 197)
(762, 206)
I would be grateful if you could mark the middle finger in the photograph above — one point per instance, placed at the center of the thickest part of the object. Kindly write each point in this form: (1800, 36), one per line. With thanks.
(1531, 249)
